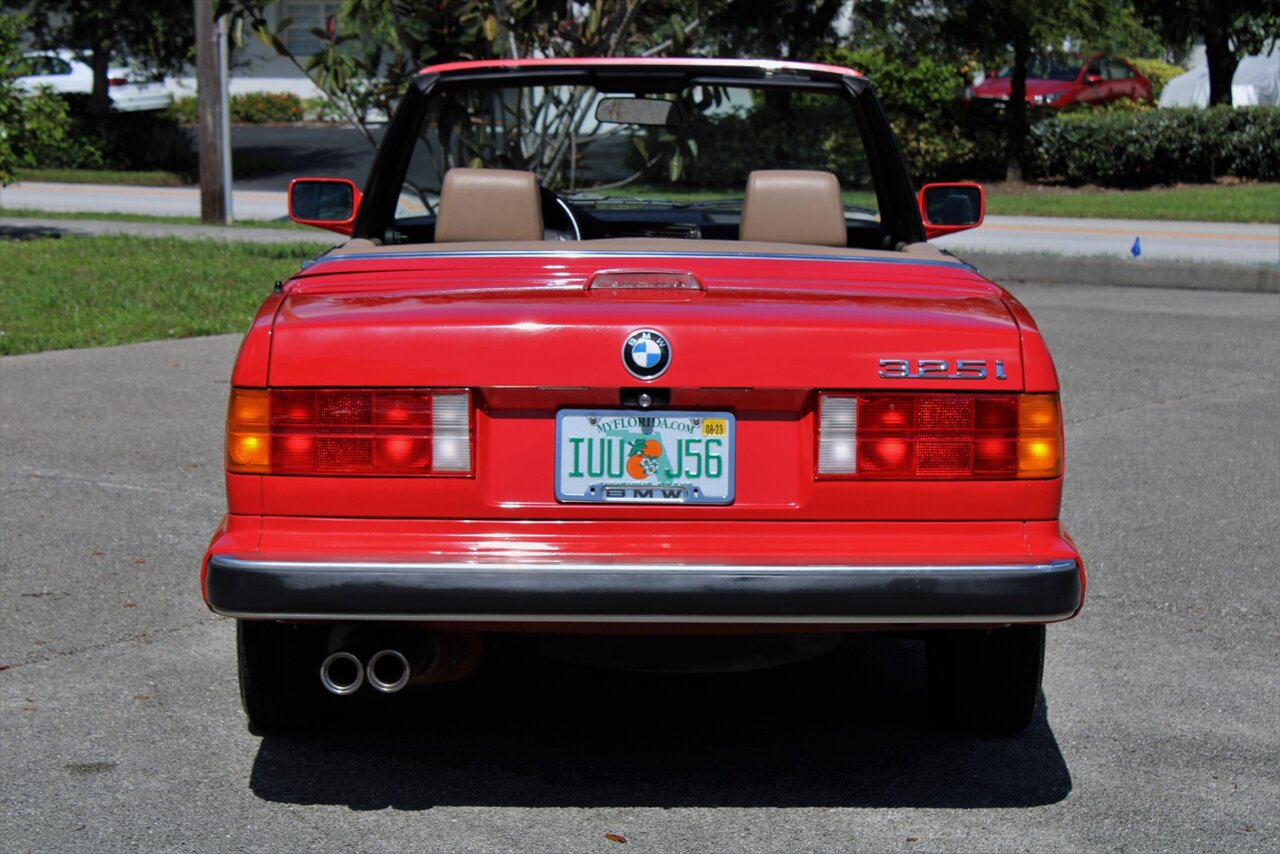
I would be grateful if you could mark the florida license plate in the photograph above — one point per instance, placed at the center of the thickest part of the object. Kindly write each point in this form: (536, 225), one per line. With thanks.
(650, 458)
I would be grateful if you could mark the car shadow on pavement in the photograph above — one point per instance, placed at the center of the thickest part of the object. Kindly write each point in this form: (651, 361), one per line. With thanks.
(29, 232)
(847, 729)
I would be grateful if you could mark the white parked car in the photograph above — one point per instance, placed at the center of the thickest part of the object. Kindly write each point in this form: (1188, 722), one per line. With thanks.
(63, 71)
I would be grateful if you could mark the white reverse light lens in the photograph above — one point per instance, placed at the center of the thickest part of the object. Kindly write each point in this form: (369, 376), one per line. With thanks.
(451, 432)
(837, 435)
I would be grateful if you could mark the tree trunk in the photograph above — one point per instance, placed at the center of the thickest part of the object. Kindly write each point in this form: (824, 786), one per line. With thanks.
(1221, 59)
(213, 200)
(100, 99)
(1017, 118)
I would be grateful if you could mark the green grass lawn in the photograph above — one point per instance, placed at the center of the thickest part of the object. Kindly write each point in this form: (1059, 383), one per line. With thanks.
(286, 224)
(103, 176)
(70, 292)
(1213, 203)
(243, 166)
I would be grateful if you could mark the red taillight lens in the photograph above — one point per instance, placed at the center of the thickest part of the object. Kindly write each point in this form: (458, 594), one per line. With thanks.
(349, 431)
(117, 81)
(943, 436)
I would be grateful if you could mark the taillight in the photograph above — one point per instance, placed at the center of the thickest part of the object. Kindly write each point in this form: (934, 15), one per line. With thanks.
(117, 81)
(896, 436)
(349, 431)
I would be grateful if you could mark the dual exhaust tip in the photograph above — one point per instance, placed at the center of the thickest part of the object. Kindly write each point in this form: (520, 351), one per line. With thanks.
(387, 671)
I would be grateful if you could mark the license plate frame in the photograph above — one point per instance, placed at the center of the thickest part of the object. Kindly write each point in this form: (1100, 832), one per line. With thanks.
(579, 480)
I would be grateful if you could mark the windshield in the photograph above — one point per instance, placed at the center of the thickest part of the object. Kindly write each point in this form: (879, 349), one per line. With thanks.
(608, 153)
(1040, 68)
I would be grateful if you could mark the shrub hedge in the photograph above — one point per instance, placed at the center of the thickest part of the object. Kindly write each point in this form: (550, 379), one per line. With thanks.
(1158, 72)
(941, 137)
(784, 138)
(1114, 147)
(1144, 147)
(57, 133)
(248, 108)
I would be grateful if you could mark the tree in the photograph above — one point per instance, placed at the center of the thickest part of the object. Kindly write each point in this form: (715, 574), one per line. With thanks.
(783, 29)
(148, 32)
(11, 27)
(1231, 29)
(366, 57)
(991, 30)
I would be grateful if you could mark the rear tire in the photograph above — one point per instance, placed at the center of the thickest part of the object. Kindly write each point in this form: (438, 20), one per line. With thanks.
(986, 680)
(279, 674)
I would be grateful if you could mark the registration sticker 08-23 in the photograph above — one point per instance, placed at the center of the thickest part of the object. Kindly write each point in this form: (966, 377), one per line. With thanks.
(630, 457)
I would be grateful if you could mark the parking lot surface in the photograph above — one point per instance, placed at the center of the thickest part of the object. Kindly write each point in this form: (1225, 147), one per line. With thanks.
(120, 727)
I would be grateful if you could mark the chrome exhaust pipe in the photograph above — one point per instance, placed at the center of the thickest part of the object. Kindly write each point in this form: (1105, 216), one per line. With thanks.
(388, 671)
(335, 670)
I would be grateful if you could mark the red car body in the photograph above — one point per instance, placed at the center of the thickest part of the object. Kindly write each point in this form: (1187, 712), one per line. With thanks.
(1097, 79)
(770, 341)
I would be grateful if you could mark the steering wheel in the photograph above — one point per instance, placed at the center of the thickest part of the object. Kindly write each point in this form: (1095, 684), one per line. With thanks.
(557, 213)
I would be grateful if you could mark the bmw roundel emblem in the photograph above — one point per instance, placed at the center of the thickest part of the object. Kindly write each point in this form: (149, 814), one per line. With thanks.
(646, 354)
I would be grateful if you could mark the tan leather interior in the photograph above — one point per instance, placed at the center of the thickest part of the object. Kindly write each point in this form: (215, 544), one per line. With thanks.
(488, 204)
(793, 206)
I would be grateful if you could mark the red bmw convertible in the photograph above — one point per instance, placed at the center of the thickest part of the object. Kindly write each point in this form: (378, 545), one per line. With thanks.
(638, 347)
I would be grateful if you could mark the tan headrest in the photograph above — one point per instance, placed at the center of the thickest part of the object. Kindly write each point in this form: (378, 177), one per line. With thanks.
(489, 204)
(793, 206)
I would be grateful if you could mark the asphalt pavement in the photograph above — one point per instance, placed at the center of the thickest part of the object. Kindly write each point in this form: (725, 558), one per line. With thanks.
(148, 201)
(120, 727)
(272, 155)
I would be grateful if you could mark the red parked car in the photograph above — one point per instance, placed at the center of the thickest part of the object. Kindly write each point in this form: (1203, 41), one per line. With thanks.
(570, 374)
(1063, 81)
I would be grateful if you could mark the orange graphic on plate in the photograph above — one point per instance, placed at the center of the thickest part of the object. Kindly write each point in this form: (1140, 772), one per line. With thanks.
(644, 458)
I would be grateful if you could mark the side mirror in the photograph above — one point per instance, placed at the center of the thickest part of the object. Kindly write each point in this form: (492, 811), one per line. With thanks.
(1093, 78)
(948, 208)
(330, 203)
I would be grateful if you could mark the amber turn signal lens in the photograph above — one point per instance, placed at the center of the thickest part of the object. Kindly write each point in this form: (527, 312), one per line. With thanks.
(248, 439)
(1039, 436)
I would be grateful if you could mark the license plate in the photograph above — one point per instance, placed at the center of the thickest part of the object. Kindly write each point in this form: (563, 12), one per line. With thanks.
(652, 458)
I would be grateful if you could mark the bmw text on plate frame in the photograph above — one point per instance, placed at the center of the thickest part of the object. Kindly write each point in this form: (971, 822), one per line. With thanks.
(861, 432)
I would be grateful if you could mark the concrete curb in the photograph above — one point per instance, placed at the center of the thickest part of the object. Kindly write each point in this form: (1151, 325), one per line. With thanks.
(1063, 270)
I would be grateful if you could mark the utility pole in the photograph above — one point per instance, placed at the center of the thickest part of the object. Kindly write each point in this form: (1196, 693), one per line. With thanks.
(214, 127)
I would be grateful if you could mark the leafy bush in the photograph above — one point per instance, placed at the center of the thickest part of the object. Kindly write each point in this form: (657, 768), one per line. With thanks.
(770, 138)
(1145, 147)
(145, 141)
(940, 136)
(185, 109)
(57, 133)
(250, 108)
(1158, 72)
(261, 107)
(321, 109)
(48, 138)
(12, 28)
